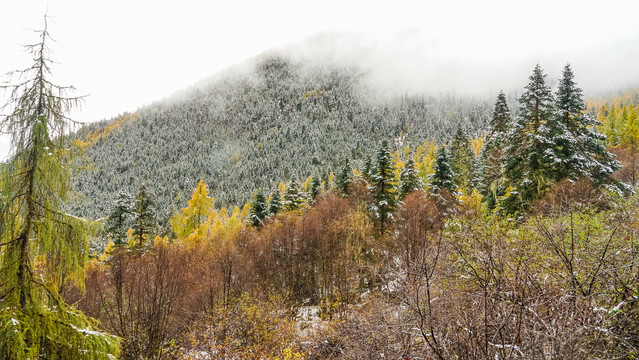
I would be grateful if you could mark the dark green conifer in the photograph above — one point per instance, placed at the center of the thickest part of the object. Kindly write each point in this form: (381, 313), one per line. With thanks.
(489, 170)
(462, 160)
(383, 186)
(343, 179)
(143, 216)
(315, 187)
(409, 179)
(527, 169)
(258, 209)
(275, 204)
(579, 146)
(117, 223)
(442, 177)
(294, 198)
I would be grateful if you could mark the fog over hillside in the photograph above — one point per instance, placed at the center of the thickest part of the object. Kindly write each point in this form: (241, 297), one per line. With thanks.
(411, 62)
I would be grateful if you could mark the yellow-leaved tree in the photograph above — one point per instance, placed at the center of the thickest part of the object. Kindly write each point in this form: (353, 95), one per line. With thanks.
(192, 219)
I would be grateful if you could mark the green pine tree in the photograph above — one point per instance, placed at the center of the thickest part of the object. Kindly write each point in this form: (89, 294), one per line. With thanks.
(462, 160)
(490, 167)
(580, 150)
(294, 197)
(258, 209)
(315, 187)
(275, 204)
(35, 322)
(117, 223)
(442, 177)
(344, 179)
(526, 161)
(384, 186)
(143, 217)
(409, 179)
(368, 168)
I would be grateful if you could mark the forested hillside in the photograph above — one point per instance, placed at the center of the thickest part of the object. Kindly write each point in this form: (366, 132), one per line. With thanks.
(512, 234)
(278, 120)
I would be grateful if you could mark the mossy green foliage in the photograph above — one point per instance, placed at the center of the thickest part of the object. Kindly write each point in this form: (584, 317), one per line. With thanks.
(59, 332)
(41, 247)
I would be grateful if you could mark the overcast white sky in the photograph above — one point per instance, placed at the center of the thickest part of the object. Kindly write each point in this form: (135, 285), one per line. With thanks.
(128, 53)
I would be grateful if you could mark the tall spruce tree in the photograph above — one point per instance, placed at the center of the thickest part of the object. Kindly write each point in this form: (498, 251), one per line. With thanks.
(259, 210)
(383, 186)
(368, 168)
(462, 160)
(41, 246)
(344, 179)
(442, 178)
(118, 221)
(294, 197)
(490, 167)
(275, 204)
(526, 160)
(409, 179)
(315, 187)
(143, 216)
(579, 146)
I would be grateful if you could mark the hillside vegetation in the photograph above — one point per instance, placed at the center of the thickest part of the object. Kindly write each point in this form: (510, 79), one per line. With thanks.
(438, 252)
(279, 120)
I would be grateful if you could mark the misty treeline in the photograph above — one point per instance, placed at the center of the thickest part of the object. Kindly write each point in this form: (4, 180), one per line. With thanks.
(408, 257)
(248, 129)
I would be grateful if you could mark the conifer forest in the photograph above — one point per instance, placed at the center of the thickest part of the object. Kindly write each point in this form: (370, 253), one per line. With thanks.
(287, 210)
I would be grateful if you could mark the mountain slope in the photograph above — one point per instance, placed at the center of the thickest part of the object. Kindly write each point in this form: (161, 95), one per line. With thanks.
(281, 119)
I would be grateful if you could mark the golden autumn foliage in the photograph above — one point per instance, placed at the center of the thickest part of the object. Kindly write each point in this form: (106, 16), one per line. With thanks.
(103, 133)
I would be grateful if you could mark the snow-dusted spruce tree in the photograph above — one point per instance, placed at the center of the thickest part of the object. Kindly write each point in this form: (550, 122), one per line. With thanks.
(118, 222)
(383, 186)
(529, 148)
(259, 210)
(578, 146)
(491, 159)
(41, 246)
(462, 159)
(294, 197)
(143, 216)
(343, 179)
(409, 179)
(442, 177)
(275, 204)
(315, 187)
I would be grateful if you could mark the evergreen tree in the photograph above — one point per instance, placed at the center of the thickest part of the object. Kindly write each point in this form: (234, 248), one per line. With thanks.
(462, 160)
(275, 204)
(258, 209)
(368, 168)
(526, 160)
(294, 198)
(490, 165)
(578, 146)
(442, 178)
(343, 179)
(41, 246)
(117, 223)
(409, 178)
(144, 216)
(315, 187)
(383, 186)
(499, 122)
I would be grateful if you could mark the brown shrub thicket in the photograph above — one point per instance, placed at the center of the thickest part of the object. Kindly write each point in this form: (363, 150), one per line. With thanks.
(446, 282)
